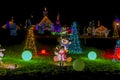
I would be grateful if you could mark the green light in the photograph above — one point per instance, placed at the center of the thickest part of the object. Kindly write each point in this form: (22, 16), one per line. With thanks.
(78, 65)
(53, 33)
(26, 55)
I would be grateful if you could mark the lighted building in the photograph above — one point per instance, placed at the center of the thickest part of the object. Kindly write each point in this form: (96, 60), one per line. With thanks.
(45, 23)
(101, 31)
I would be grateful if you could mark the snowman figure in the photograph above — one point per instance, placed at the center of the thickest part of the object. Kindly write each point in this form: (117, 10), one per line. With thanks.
(64, 41)
(60, 53)
(61, 50)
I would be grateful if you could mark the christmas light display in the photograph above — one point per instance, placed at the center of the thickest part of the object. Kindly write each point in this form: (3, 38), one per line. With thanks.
(41, 29)
(1, 54)
(43, 52)
(26, 55)
(45, 24)
(30, 41)
(116, 26)
(78, 65)
(92, 55)
(90, 28)
(57, 28)
(12, 27)
(117, 51)
(61, 51)
(75, 47)
(13, 30)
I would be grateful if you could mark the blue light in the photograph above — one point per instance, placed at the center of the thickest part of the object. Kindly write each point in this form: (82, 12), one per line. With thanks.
(26, 55)
(118, 42)
(92, 55)
(13, 30)
(75, 47)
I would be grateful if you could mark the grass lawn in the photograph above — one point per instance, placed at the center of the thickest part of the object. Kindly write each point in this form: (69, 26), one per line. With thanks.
(44, 64)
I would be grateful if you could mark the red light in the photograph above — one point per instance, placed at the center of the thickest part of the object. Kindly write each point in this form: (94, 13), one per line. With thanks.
(118, 53)
(43, 51)
(109, 54)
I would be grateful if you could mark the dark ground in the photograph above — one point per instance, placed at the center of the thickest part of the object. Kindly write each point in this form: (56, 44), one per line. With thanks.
(64, 76)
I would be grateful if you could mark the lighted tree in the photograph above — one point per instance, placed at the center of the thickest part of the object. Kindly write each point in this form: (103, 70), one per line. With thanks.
(117, 51)
(75, 47)
(30, 41)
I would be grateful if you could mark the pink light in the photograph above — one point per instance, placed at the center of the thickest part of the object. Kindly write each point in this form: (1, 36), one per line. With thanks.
(117, 24)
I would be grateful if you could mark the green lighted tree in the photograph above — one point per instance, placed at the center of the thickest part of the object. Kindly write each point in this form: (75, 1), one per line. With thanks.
(75, 47)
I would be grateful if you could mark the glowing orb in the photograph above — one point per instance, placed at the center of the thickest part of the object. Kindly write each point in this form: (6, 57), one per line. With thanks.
(118, 53)
(92, 55)
(78, 65)
(26, 55)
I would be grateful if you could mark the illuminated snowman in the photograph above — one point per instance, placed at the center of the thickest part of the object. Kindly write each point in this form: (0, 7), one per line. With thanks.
(64, 41)
(61, 50)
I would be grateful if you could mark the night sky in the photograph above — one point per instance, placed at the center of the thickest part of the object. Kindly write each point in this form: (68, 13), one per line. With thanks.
(75, 10)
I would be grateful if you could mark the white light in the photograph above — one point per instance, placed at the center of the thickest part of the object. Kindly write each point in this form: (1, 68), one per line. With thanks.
(0, 59)
(1, 54)
(117, 24)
